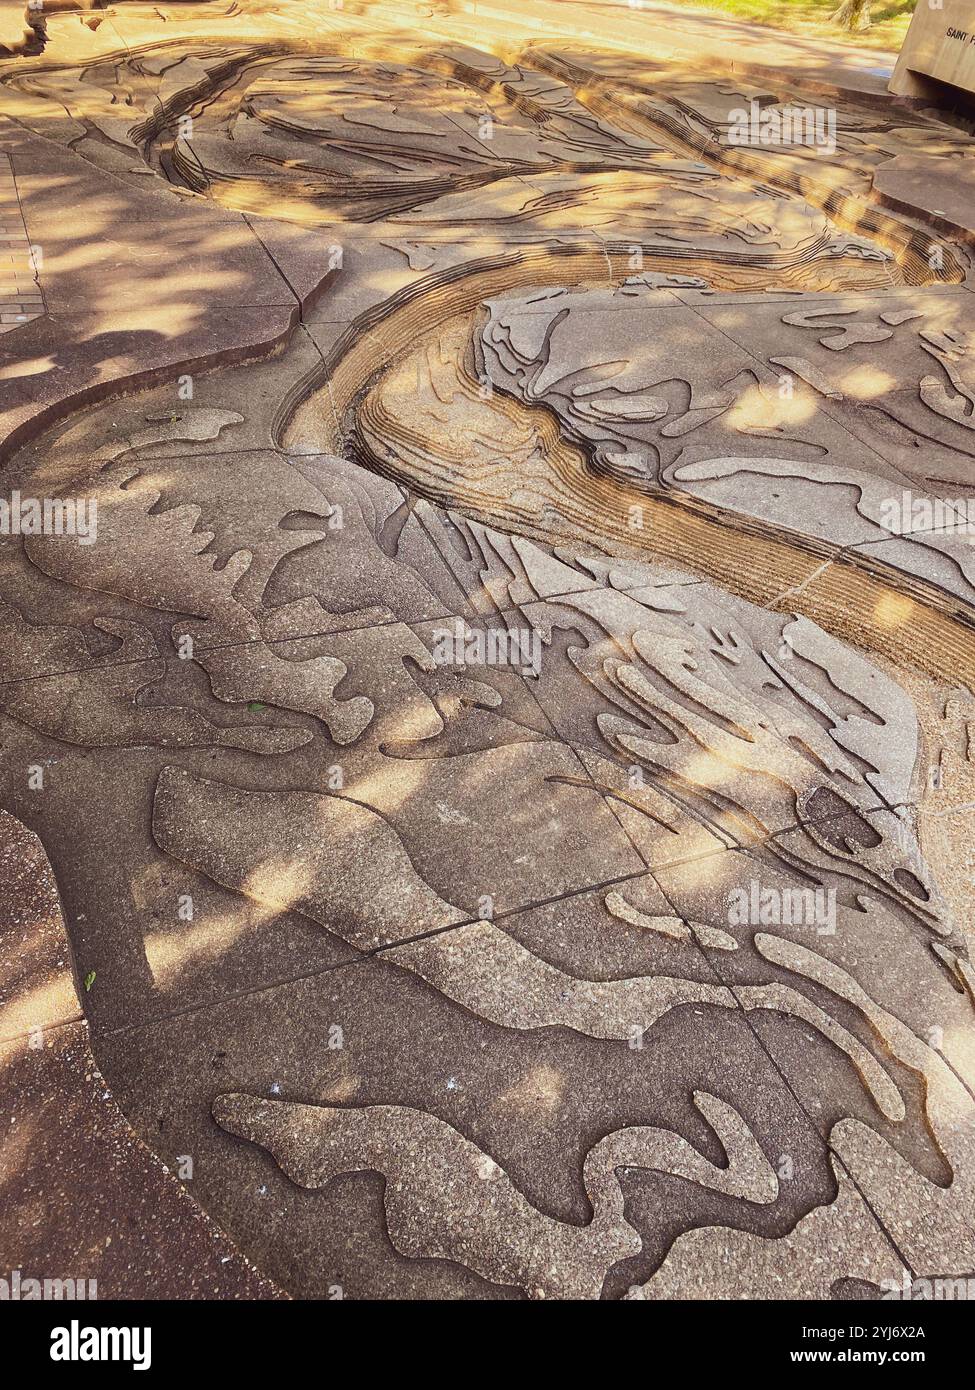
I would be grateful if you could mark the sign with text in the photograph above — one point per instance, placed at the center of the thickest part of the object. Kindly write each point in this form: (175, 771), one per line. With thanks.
(941, 44)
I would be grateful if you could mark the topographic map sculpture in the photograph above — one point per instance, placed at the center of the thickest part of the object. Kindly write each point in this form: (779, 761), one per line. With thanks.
(505, 764)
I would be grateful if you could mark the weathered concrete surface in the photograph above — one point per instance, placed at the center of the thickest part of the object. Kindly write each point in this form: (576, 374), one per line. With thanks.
(502, 848)
(84, 1201)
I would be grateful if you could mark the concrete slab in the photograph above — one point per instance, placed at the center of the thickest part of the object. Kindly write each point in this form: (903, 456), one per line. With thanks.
(499, 822)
